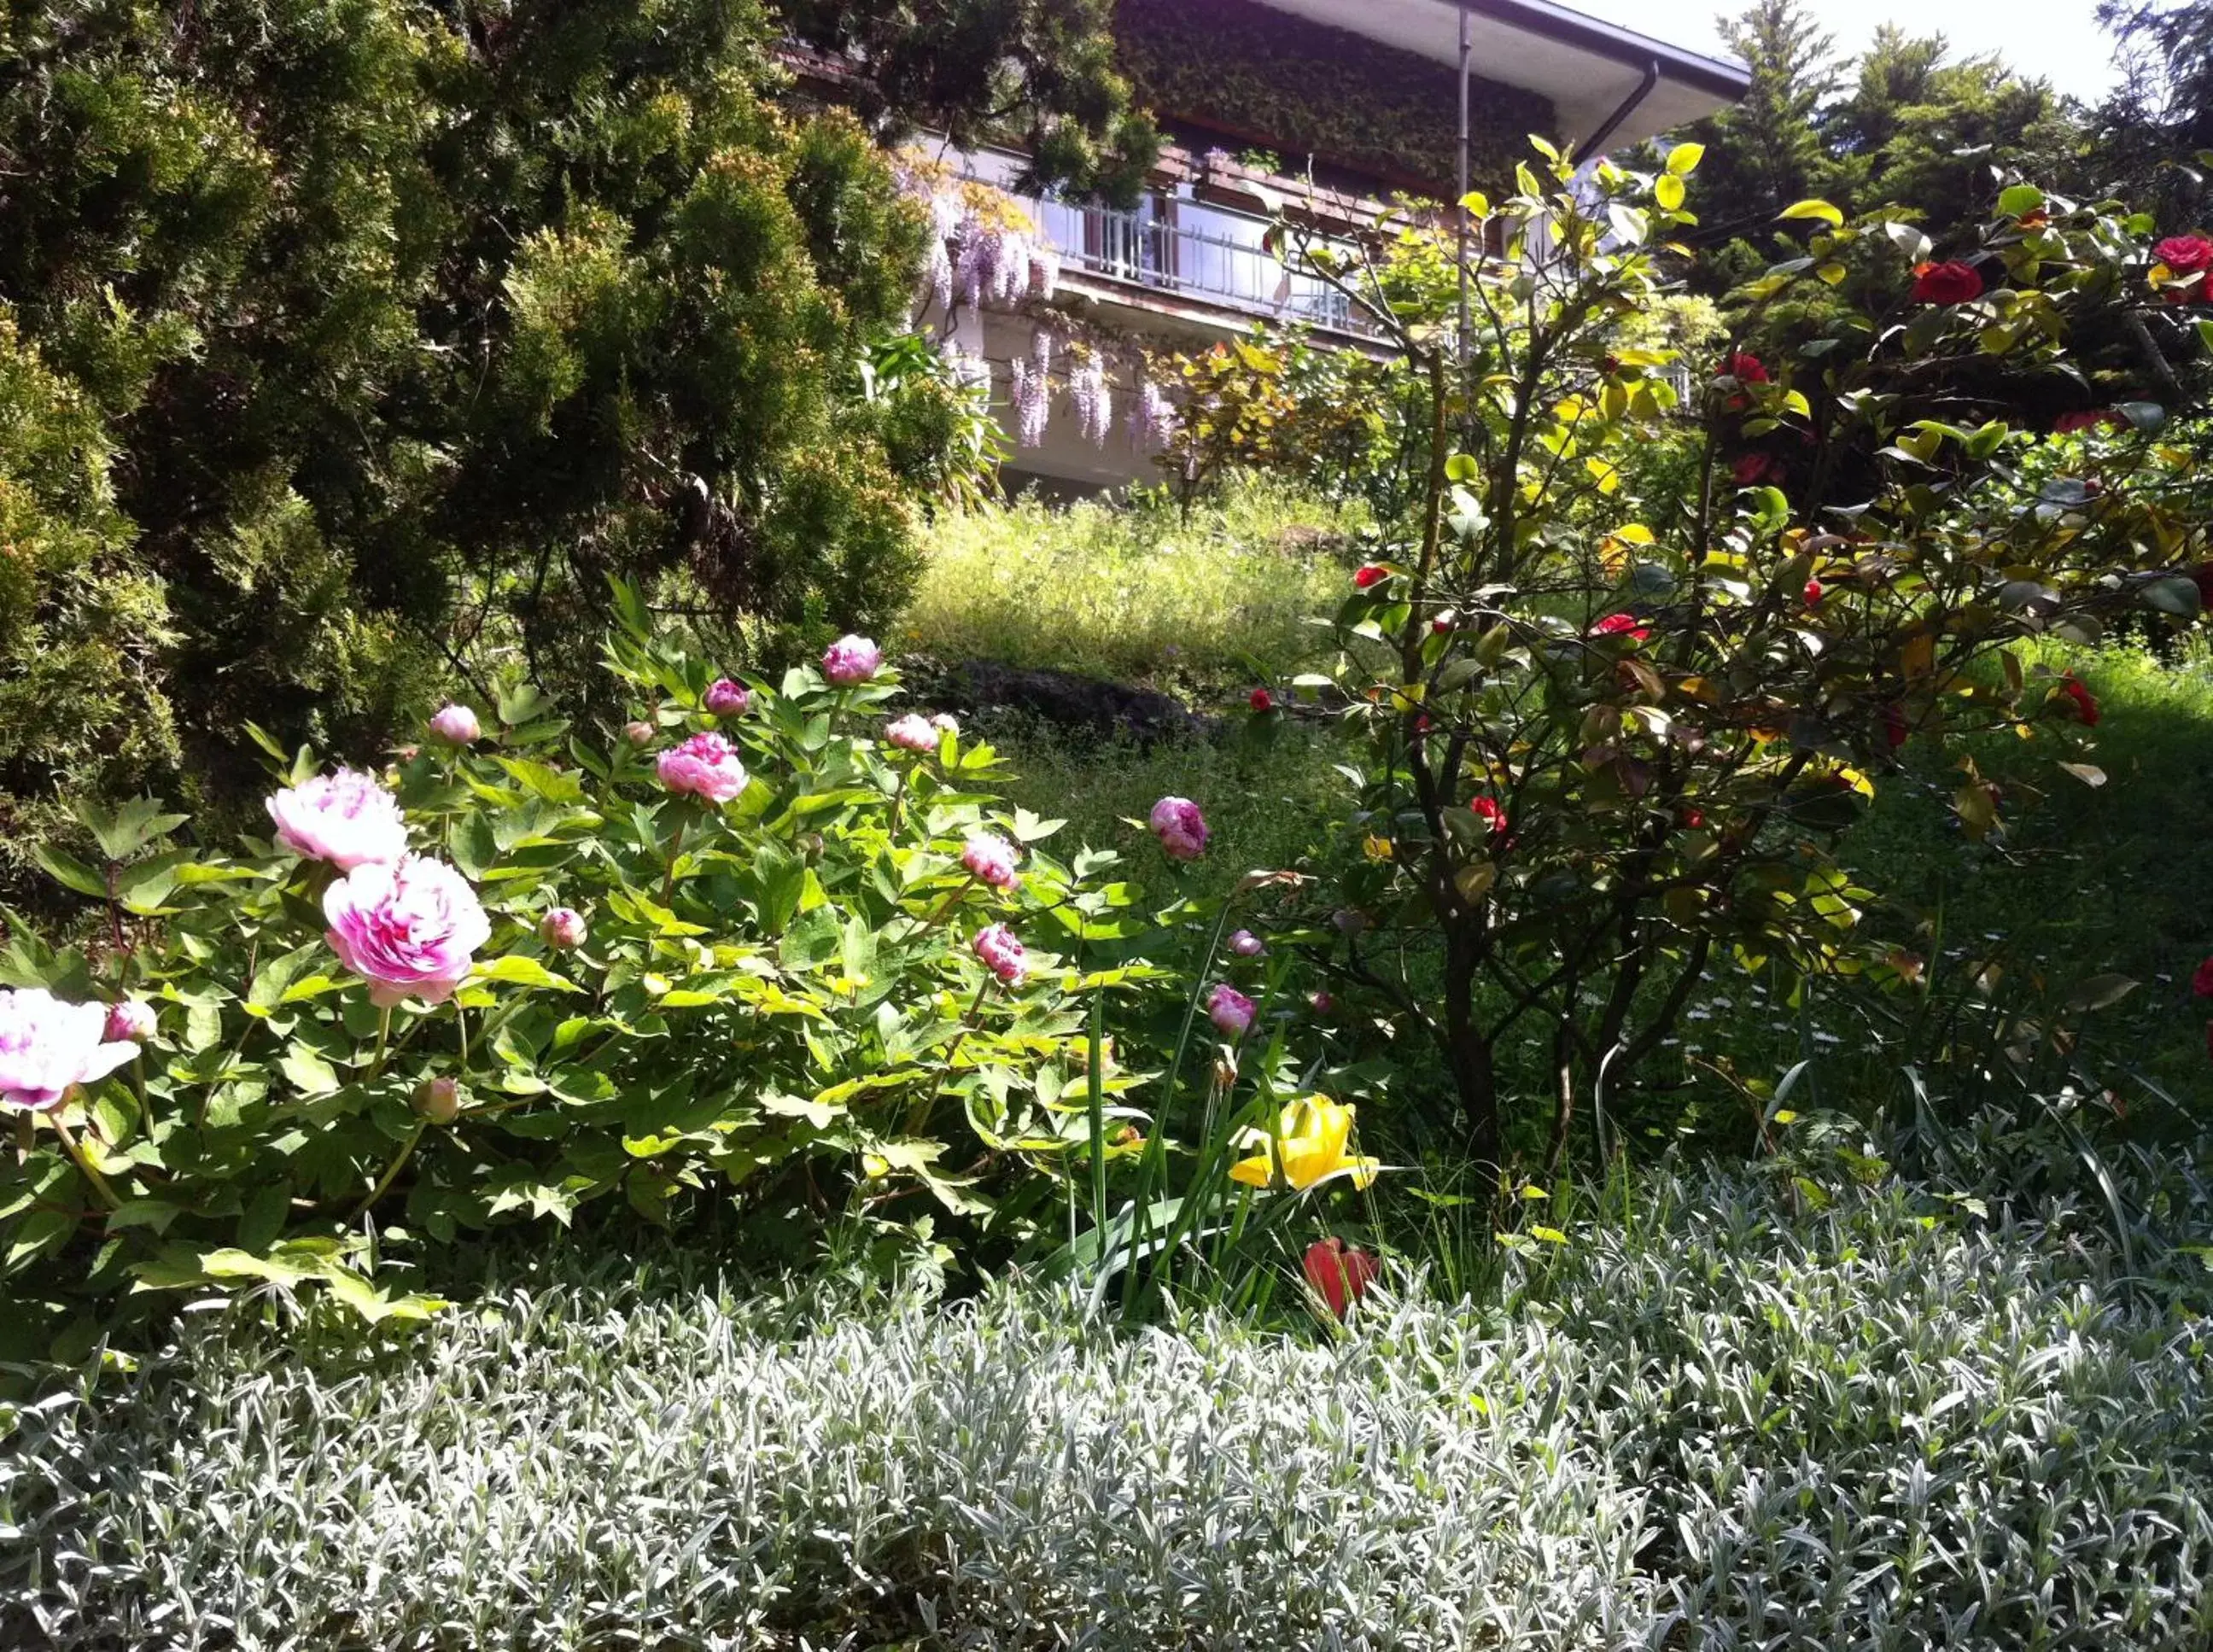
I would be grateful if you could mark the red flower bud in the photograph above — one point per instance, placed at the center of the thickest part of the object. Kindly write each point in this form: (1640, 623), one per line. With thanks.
(1370, 576)
(1949, 283)
(1339, 1274)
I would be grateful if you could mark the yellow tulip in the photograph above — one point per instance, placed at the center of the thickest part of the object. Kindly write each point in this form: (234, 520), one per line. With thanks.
(1310, 1144)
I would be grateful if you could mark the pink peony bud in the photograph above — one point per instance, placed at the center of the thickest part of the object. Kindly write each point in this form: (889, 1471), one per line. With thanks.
(989, 859)
(347, 819)
(1001, 953)
(47, 1047)
(638, 734)
(851, 659)
(911, 734)
(1245, 944)
(1321, 1003)
(130, 1021)
(409, 930)
(438, 1100)
(706, 765)
(562, 927)
(1180, 827)
(946, 724)
(1231, 1011)
(727, 698)
(456, 725)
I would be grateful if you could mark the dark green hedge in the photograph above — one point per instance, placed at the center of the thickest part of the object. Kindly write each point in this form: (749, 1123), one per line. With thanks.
(1300, 87)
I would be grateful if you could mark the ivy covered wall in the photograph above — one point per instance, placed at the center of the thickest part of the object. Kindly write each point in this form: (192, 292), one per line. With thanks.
(1272, 80)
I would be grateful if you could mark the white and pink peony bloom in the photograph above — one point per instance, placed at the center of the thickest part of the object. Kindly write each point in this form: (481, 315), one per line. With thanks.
(1245, 944)
(347, 819)
(850, 661)
(1001, 953)
(1231, 1011)
(911, 733)
(1177, 822)
(410, 931)
(46, 1046)
(457, 725)
(706, 765)
(989, 859)
(132, 1022)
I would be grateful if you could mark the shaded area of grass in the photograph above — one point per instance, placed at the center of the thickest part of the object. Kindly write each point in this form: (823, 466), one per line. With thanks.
(1142, 593)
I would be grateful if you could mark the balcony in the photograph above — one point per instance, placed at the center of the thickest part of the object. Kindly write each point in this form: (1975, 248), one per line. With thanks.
(1173, 244)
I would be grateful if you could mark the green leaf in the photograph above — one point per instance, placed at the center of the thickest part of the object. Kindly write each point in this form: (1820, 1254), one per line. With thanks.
(307, 1072)
(1814, 209)
(1683, 160)
(69, 873)
(813, 940)
(513, 969)
(2100, 992)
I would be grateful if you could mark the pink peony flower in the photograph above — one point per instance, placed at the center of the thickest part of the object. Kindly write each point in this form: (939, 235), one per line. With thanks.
(989, 859)
(1231, 1011)
(1180, 827)
(1245, 944)
(409, 930)
(130, 1021)
(562, 927)
(456, 725)
(727, 698)
(438, 1100)
(911, 734)
(706, 765)
(46, 1046)
(1001, 953)
(347, 819)
(851, 659)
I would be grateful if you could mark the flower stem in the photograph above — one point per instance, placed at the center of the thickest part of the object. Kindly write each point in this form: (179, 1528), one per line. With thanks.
(391, 1171)
(676, 850)
(383, 1042)
(84, 1164)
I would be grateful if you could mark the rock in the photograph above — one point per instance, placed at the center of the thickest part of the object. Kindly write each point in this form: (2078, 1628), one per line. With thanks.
(1069, 702)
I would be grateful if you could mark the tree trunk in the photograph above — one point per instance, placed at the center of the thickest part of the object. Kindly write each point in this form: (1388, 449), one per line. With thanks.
(1467, 1053)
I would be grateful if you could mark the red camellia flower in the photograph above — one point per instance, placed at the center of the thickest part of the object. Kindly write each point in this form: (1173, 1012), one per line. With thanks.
(1814, 590)
(1621, 624)
(2087, 419)
(1339, 1274)
(1370, 576)
(1949, 283)
(1694, 817)
(2185, 254)
(2202, 982)
(1750, 469)
(1262, 700)
(1490, 809)
(1745, 367)
(2086, 703)
(1894, 726)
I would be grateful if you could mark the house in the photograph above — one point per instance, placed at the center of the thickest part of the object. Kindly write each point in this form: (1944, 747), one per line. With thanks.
(1327, 107)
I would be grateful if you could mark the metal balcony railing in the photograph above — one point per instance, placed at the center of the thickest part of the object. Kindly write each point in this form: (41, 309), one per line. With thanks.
(1198, 251)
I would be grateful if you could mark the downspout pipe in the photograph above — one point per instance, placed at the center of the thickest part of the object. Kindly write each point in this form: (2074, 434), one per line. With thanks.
(1611, 123)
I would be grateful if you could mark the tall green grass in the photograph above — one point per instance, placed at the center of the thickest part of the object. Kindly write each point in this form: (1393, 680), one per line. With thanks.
(1142, 592)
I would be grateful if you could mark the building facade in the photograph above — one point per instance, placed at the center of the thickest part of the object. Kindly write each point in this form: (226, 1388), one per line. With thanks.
(1328, 109)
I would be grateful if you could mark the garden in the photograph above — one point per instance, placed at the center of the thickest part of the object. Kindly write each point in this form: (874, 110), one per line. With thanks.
(1558, 997)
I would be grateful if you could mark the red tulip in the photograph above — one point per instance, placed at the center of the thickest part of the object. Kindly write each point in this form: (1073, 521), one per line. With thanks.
(1949, 283)
(1339, 1273)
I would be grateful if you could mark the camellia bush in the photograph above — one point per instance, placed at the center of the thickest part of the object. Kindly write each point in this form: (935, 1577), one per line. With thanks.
(1612, 740)
(744, 955)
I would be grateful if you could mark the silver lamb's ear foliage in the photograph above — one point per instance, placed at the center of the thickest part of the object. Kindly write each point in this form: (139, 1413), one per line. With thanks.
(1588, 1474)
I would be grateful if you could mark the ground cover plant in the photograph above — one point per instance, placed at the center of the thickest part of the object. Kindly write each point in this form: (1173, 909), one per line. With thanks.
(1915, 1416)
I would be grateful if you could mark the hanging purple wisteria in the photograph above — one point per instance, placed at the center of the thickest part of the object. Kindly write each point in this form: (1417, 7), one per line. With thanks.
(1094, 402)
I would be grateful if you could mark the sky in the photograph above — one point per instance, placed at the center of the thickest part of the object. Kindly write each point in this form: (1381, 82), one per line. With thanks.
(2057, 40)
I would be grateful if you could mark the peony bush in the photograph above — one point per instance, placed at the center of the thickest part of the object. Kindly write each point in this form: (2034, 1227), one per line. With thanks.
(748, 952)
